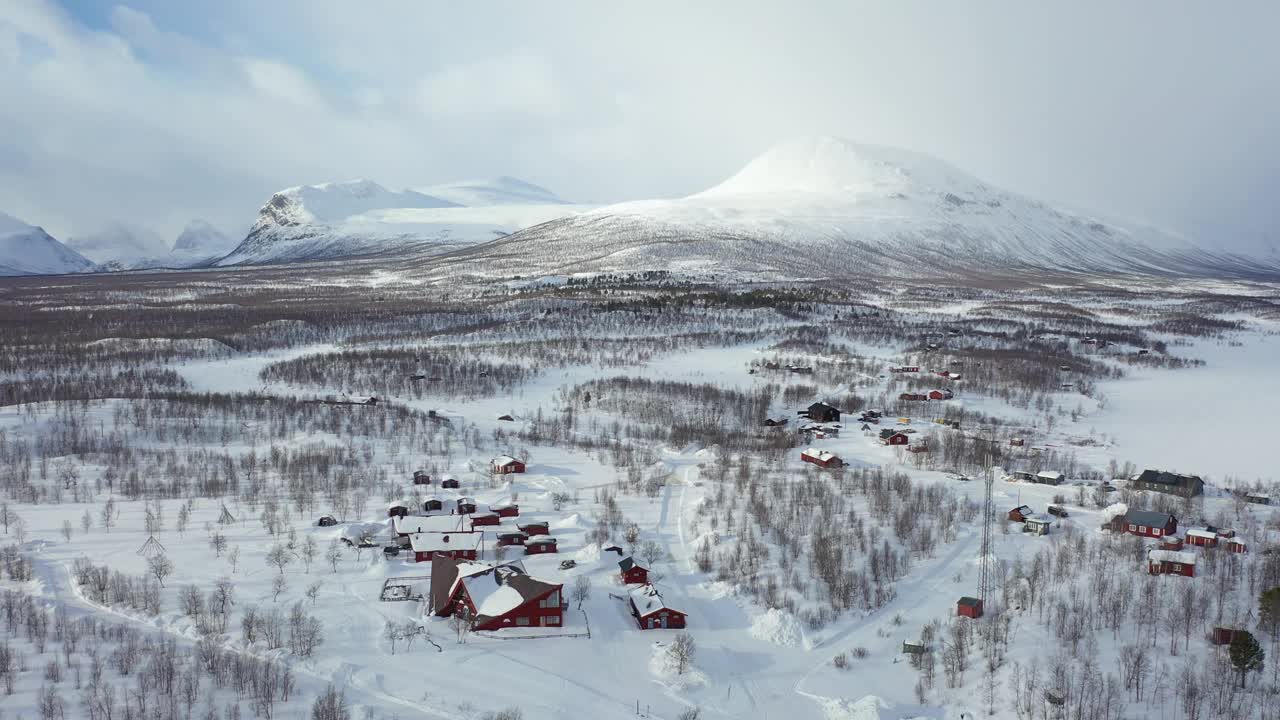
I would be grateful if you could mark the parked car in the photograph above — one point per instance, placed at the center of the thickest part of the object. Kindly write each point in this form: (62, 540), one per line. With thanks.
(1058, 511)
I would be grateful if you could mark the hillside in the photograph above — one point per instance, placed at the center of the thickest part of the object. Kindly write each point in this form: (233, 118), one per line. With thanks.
(29, 250)
(825, 206)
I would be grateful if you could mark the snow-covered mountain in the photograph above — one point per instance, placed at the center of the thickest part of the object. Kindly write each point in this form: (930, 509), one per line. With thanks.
(362, 218)
(29, 250)
(120, 246)
(497, 191)
(198, 243)
(824, 206)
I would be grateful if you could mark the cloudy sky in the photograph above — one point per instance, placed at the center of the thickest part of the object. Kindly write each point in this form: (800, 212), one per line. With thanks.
(157, 112)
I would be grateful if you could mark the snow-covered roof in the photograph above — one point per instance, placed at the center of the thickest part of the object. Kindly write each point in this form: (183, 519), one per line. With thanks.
(503, 460)
(433, 541)
(1202, 533)
(1040, 518)
(648, 600)
(411, 524)
(496, 590)
(1050, 474)
(397, 504)
(823, 455)
(1111, 511)
(1175, 556)
(540, 539)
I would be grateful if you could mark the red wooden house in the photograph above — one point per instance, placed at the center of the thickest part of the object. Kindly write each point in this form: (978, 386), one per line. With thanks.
(940, 395)
(1236, 545)
(1171, 562)
(537, 527)
(539, 544)
(1201, 537)
(1147, 523)
(414, 524)
(485, 519)
(432, 504)
(458, 545)
(632, 572)
(508, 538)
(399, 508)
(505, 464)
(420, 477)
(892, 437)
(451, 482)
(1171, 542)
(1020, 513)
(1222, 635)
(465, 506)
(821, 458)
(651, 612)
(970, 607)
(495, 597)
(506, 509)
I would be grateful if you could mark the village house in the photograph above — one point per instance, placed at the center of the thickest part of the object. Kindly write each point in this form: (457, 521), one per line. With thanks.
(1147, 523)
(1257, 498)
(457, 545)
(450, 483)
(538, 527)
(506, 509)
(913, 397)
(1202, 537)
(632, 572)
(413, 524)
(1020, 514)
(1048, 477)
(495, 597)
(420, 477)
(1037, 525)
(893, 437)
(1167, 482)
(465, 506)
(432, 505)
(1171, 542)
(507, 538)
(484, 519)
(505, 465)
(775, 422)
(651, 612)
(398, 508)
(821, 458)
(539, 544)
(1236, 545)
(1171, 562)
(822, 412)
(940, 394)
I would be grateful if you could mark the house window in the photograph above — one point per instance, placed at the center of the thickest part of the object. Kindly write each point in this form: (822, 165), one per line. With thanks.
(1142, 528)
(1133, 528)
(1156, 532)
(1177, 567)
(552, 620)
(550, 601)
(522, 621)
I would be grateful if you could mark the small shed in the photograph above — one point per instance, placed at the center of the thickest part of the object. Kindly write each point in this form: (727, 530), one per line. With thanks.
(1171, 542)
(1202, 537)
(1171, 562)
(535, 528)
(485, 519)
(433, 504)
(913, 647)
(506, 509)
(507, 538)
(539, 544)
(327, 521)
(1048, 477)
(420, 477)
(398, 508)
(889, 436)
(1236, 545)
(1221, 635)
(450, 482)
(466, 506)
(632, 572)
(1037, 525)
(1020, 514)
(970, 607)
(821, 458)
(506, 465)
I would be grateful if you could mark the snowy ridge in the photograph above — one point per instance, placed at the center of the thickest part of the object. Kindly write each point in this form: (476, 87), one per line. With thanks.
(824, 207)
(363, 218)
(29, 250)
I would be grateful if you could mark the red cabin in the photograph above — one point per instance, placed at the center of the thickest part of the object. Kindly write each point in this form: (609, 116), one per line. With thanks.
(1020, 514)
(632, 572)
(821, 458)
(505, 464)
(651, 612)
(450, 482)
(399, 508)
(432, 505)
(466, 506)
(506, 510)
(1171, 542)
(1236, 545)
(890, 437)
(940, 395)
(420, 477)
(1171, 562)
(1145, 523)
(539, 544)
(969, 607)
(1201, 537)
(459, 545)
(535, 528)
(485, 519)
(512, 537)
(495, 598)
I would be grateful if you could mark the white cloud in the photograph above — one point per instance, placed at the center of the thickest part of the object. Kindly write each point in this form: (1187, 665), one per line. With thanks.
(518, 84)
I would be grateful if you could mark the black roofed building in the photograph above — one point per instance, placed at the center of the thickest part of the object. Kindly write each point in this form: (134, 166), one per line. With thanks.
(1168, 482)
(822, 412)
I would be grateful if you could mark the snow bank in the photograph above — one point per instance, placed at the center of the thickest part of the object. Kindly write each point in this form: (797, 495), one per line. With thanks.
(1113, 511)
(873, 707)
(590, 554)
(778, 627)
(662, 668)
(571, 522)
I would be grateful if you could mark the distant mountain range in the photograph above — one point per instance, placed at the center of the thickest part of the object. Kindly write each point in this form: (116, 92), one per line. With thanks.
(808, 207)
(29, 250)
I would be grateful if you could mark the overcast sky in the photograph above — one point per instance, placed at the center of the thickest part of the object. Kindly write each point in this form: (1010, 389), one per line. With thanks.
(157, 111)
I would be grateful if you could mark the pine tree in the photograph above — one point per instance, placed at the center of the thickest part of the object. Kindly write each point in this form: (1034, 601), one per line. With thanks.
(1246, 654)
(1269, 610)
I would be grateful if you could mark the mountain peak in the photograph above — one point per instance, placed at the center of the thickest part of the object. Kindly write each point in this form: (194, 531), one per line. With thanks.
(824, 164)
